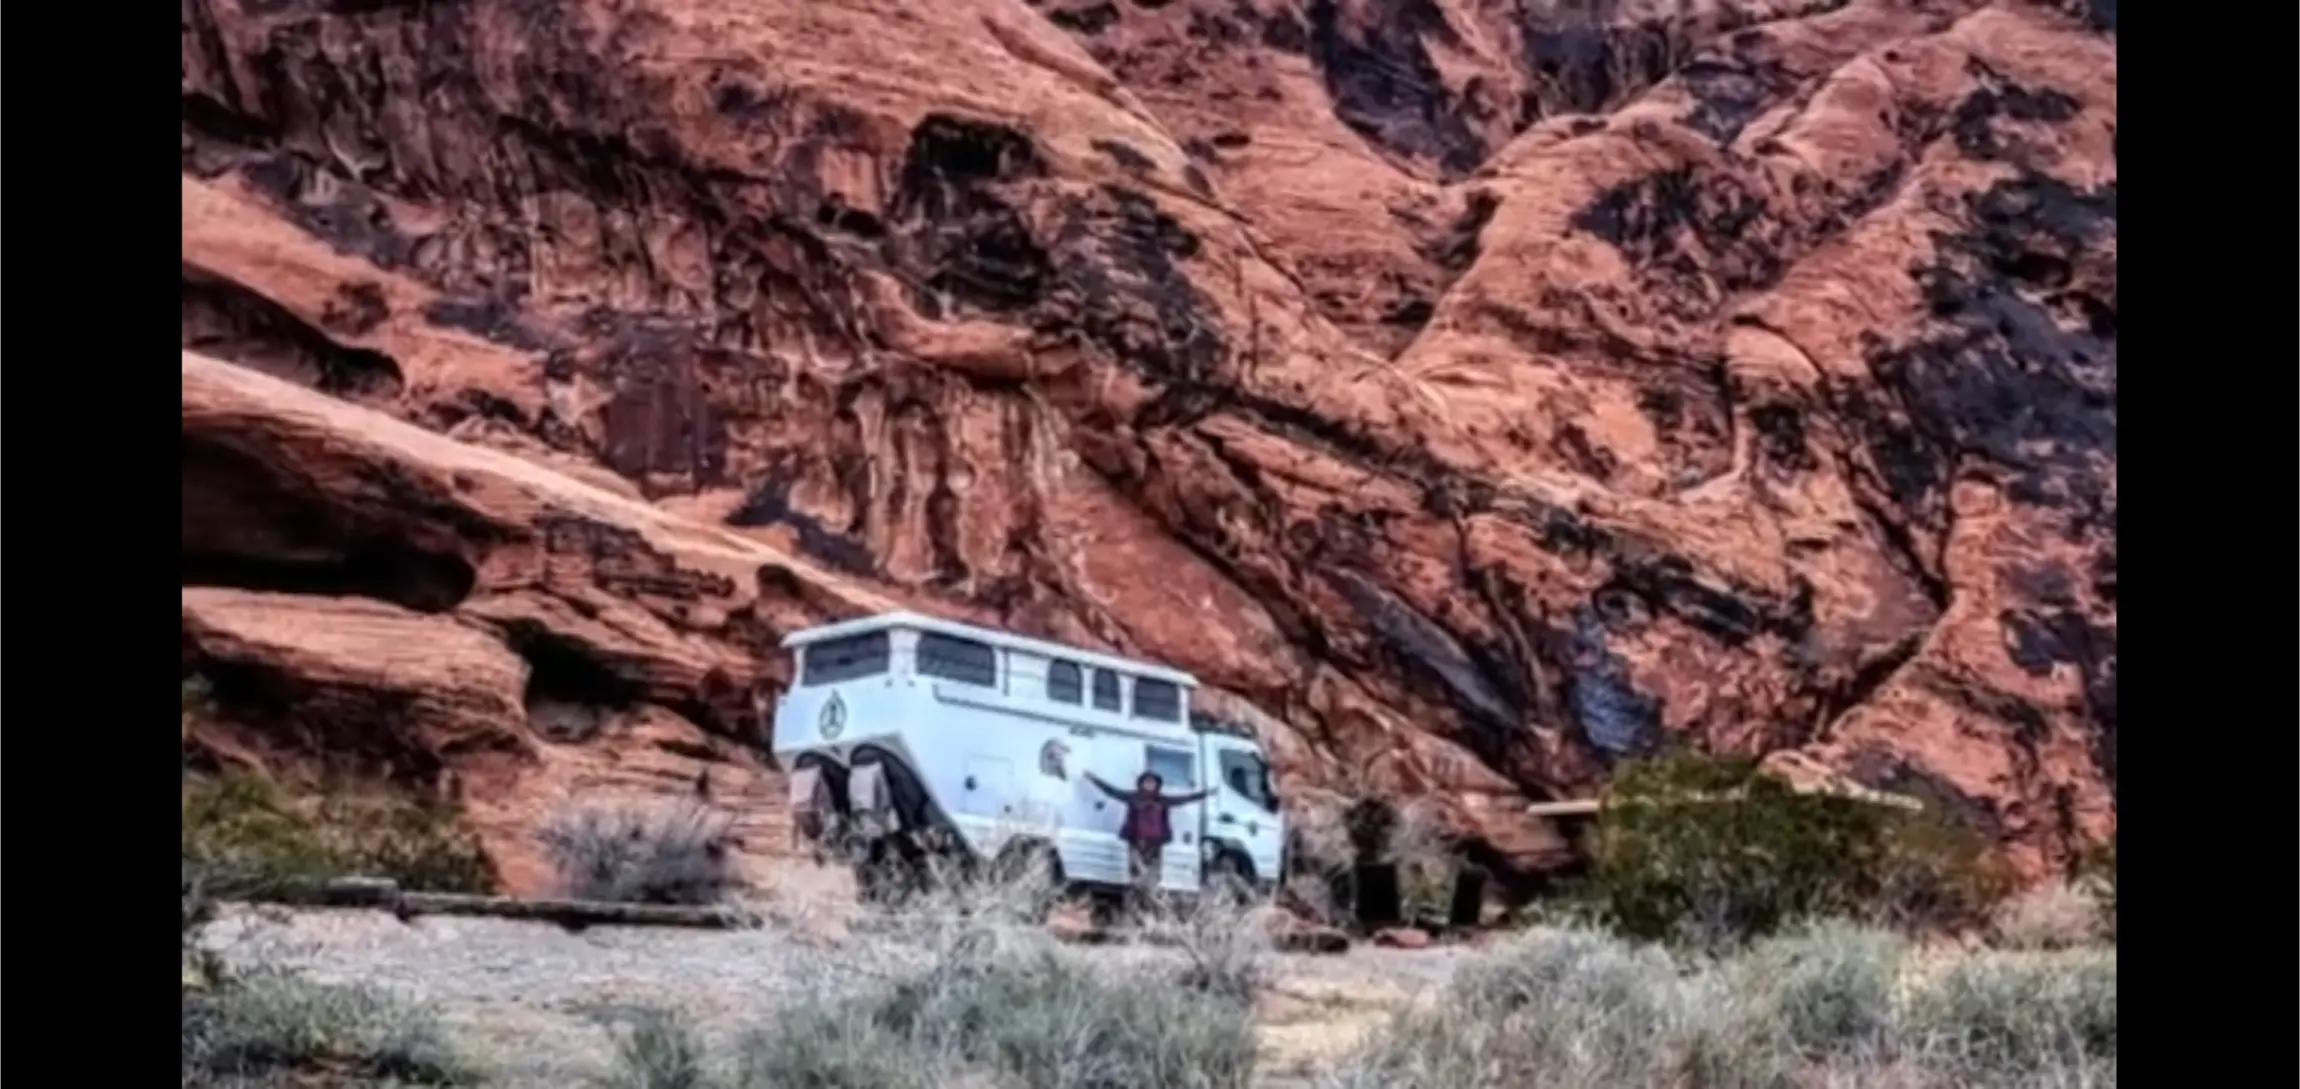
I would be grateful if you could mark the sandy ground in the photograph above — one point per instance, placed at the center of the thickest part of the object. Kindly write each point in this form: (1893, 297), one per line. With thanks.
(536, 1003)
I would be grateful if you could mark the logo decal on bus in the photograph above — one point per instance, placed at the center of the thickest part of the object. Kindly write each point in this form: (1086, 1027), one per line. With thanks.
(1051, 758)
(834, 718)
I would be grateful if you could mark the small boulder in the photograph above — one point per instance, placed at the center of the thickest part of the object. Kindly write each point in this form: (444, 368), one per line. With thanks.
(1403, 937)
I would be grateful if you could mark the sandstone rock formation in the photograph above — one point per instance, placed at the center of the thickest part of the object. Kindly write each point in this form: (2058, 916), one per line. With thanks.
(1468, 393)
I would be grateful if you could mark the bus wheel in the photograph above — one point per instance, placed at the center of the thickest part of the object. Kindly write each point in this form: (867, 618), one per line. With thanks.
(1104, 909)
(884, 874)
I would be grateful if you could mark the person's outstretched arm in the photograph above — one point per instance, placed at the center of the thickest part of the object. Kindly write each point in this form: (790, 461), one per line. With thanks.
(1105, 788)
(1172, 800)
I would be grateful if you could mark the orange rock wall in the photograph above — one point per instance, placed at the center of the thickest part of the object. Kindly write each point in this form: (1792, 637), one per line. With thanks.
(1468, 393)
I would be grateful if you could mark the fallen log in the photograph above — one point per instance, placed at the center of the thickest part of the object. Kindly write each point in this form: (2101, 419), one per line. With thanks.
(385, 894)
(575, 913)
(1325, 940)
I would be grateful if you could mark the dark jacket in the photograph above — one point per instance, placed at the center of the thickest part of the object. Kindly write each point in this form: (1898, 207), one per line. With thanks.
(1146, 821)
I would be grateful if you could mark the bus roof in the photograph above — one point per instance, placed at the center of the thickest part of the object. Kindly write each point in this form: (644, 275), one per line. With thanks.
(1006, 640)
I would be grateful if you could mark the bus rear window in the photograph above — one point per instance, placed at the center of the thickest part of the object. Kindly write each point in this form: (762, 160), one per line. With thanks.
(954, 659)
(835, 660)
(1160, 700)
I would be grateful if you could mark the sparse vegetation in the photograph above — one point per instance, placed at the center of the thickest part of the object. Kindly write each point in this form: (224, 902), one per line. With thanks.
(262, 1027)
(658, 1051)
(1833, 1005)
(2096, 874)
(243, 836)
(2054, 915)
(270, 1027)
(2018, 1019)
(678, 854)
(951, 990)
(1713, 850)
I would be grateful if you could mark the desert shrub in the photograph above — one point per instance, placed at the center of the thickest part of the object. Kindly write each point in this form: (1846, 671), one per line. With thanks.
(1581, 1008)
(1044, 1021)
(838, 1047)
(949, 989)
(2096, 874)
(658, 1050)
(1224, 944)
(2054, 915)
(1049, 1022)
(1827, 1004)
(269, 1026)
(1830, 984)
(248, 838)
(678, 854)
(2002, 1018)
(1715, 850)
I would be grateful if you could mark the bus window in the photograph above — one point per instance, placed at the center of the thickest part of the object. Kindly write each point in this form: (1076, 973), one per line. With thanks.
(1064, 682)
(1176, 769)
(1160, 700)
(835, 660)
(1106, 697)
(954, 659)
(1246, 774)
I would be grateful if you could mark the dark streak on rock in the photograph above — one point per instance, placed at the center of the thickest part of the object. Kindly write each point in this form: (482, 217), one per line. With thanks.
(356, 309)
(233, 322)
(490, 320)
(965, 241)
(1386, 86)
(1614, 717)
(1088, 19)
(768, 504)
(1125, 155)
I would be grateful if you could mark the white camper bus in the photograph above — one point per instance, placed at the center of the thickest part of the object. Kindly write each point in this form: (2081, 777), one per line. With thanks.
(937, 735)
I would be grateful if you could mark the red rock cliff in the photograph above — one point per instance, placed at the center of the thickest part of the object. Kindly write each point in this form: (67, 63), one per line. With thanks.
(1467, 392)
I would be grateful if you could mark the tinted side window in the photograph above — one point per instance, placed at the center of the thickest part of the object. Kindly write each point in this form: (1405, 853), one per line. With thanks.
(1177, 769)
(961, 660)
(1106, 696)
(836, 660)
(1249, 776)
(1064, 683)
(1160, 700)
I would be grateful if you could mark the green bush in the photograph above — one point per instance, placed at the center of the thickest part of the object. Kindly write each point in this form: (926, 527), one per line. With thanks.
(245, 837)
(1714, 850)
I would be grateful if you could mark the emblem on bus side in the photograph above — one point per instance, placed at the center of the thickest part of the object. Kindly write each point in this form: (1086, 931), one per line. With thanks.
(834, 718)
(1051, 758)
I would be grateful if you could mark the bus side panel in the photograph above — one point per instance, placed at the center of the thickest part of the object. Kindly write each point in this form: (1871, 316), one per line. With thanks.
(1091, 849)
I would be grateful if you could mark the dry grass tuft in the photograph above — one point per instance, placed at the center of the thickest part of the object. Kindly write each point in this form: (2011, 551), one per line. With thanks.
(678, 854)
(2058, 915)
(1832, 1004)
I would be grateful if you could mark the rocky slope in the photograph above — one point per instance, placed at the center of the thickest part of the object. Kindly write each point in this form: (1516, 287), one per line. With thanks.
(1470, 393)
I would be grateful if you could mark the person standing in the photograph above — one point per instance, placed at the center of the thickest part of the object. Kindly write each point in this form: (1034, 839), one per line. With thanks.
(1148, 828)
